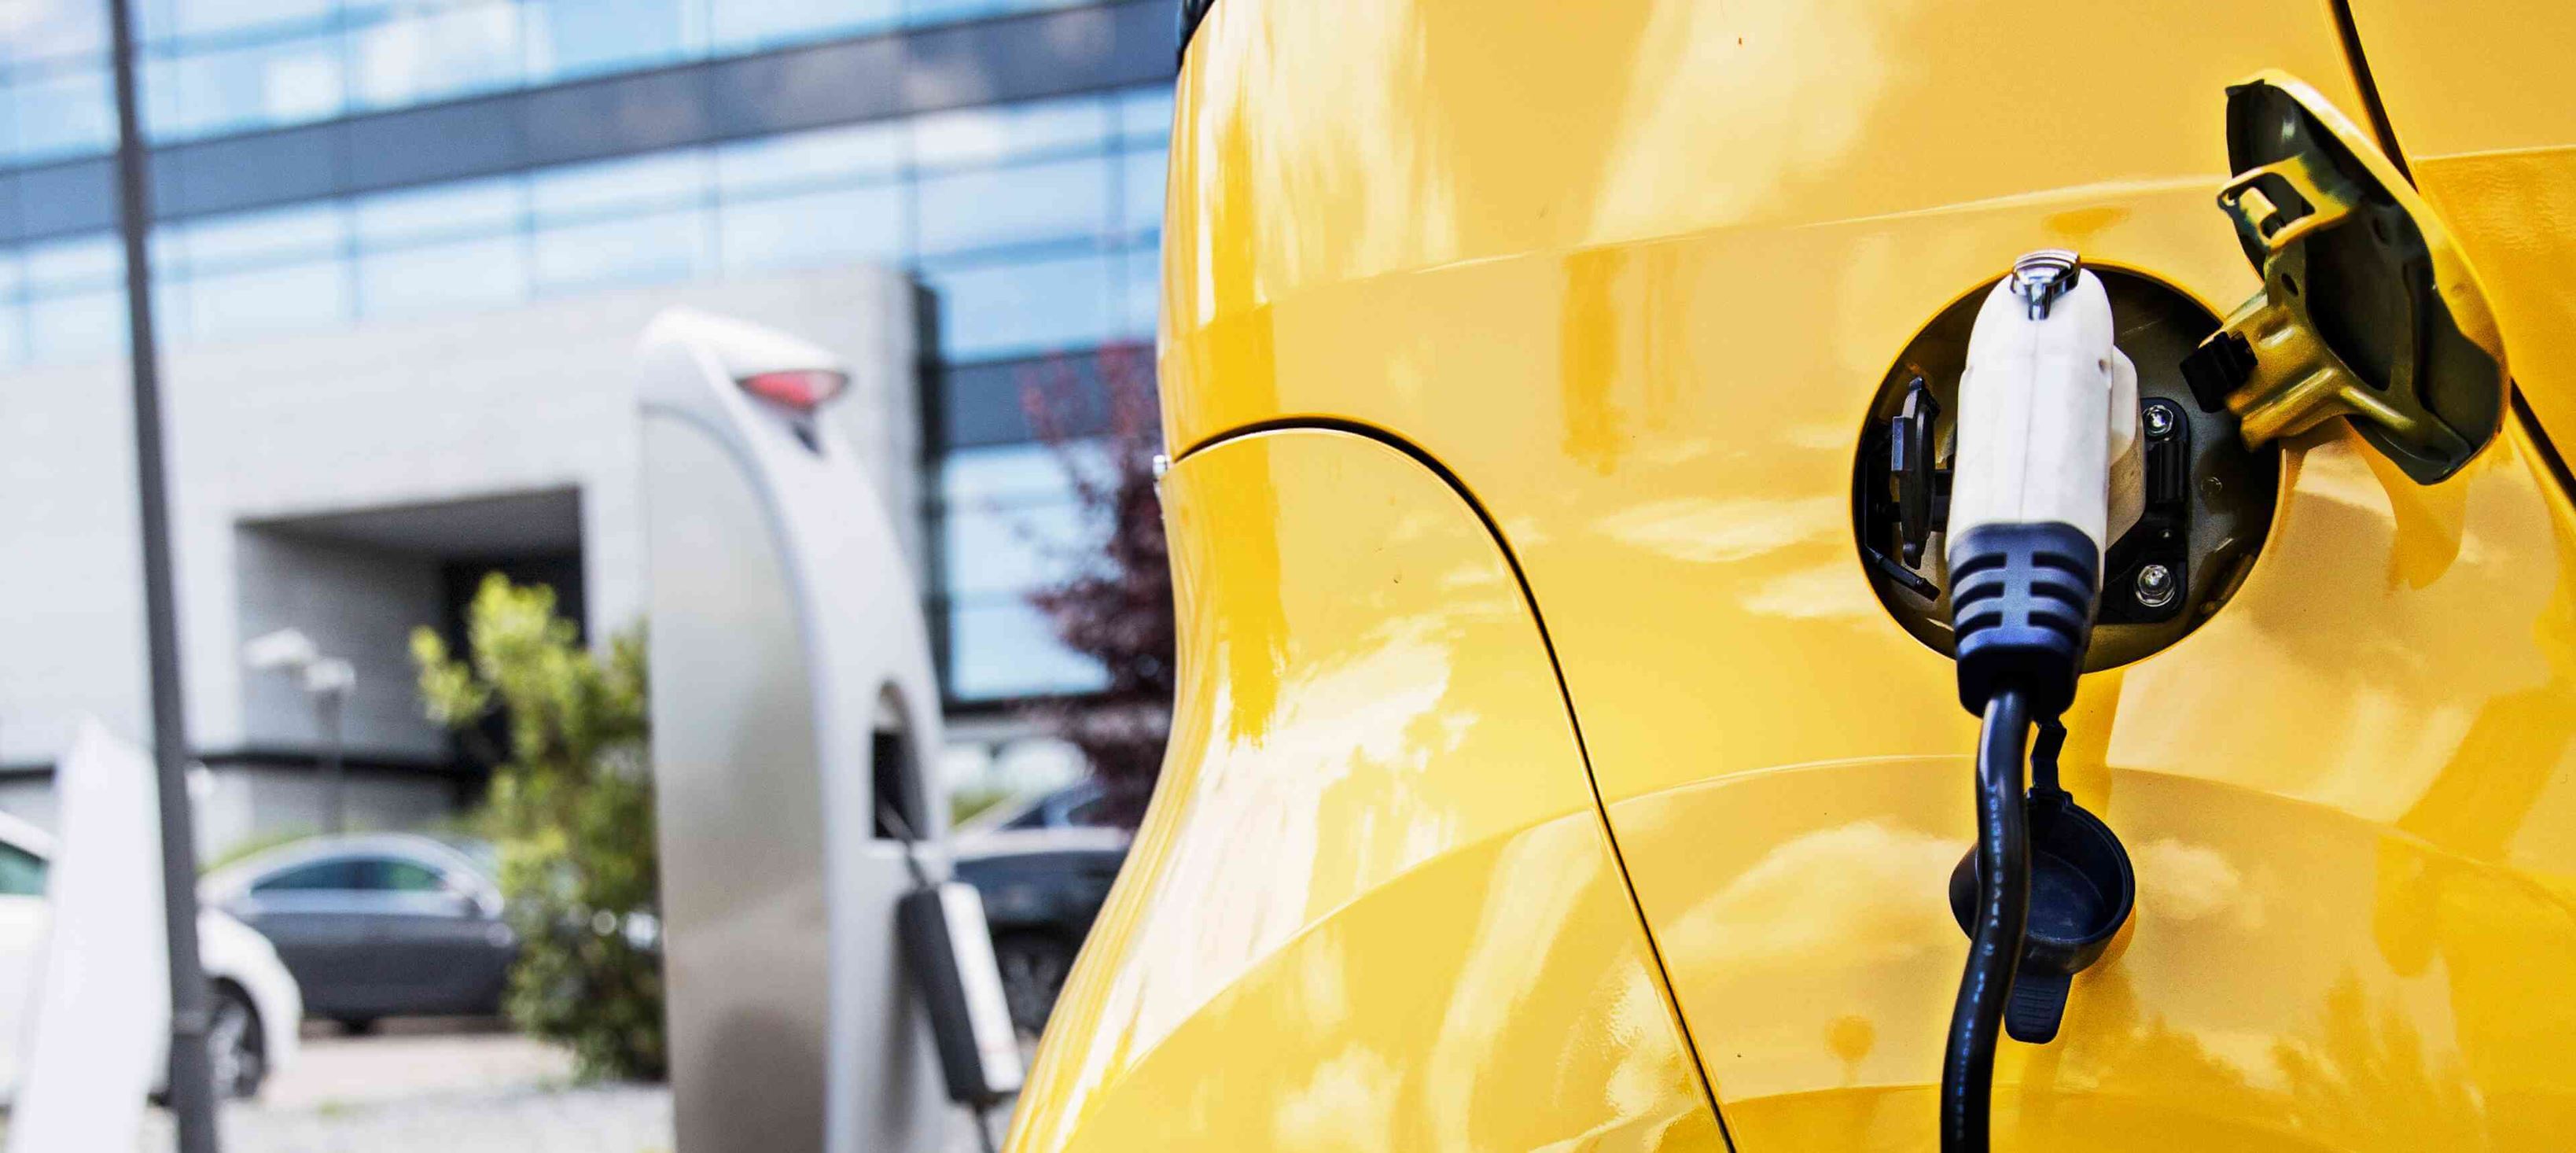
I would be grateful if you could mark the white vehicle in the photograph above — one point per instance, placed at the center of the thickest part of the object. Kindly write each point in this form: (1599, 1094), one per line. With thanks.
(257, 1008)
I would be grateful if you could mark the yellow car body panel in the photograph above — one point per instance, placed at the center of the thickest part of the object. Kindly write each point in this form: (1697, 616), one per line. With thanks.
(1631, 274)
(1373, 906)
(2482, 97)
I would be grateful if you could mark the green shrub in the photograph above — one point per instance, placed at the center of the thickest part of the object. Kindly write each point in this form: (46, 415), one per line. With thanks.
(571, 811)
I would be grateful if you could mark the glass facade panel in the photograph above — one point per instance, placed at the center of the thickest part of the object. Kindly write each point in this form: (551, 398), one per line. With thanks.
(1000, 647)
(1008, 474)
(1022, 205)
(830, 227)
(657, 246)
(1145, 114)
(207, 92)
(995, 548)
(1144, 293)
(160, 20)
(91, 261)
(744, 25)
(52, 29)
(13, 334)
(259, 301)
(469, 208)
(63, 110)
(805, 159)
(1000, 132)
(443, 277)
(1140, 191)
(75, 327)
(657, 180)
(572, 38)
(264, 237)
(410, 56)
(1023, 307)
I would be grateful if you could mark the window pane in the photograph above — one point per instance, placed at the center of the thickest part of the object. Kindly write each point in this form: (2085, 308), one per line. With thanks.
(22, 874)
(942, 11)
(1034, 306)
(343, 874)
(1028, 204)
(816, 228)
(406, 876)
(13, 334)
(466, 208)
(745, 24)
(65, 111)
(227, 89)
(1145, 114)
(443, 277)
(406, 57)
(172, 319)
(803, 159)
(168, 18)
(1143, 294)
(269, 299)
(657, 180)
(1009, 474)
(992, 549)
(1140, 191)
(78, 327)
(82, 262)
(48, 29)
(217, 242)
(653, 247)
(1004, 132)
(585, 37)
(1004, 648)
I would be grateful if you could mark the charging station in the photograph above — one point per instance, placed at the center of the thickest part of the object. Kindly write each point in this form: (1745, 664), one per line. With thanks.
(793, 711)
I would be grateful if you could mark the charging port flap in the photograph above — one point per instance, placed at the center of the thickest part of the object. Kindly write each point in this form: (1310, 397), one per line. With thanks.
(2368, 310)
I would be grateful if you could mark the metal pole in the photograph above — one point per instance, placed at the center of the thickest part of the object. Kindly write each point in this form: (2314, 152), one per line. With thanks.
(335, 775)
(191, 1090)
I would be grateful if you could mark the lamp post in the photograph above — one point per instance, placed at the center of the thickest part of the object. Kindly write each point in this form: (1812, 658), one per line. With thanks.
(191, 1087)
(327, 681)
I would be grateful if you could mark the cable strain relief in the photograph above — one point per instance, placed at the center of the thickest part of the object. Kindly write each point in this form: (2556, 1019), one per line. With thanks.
(2021, 611)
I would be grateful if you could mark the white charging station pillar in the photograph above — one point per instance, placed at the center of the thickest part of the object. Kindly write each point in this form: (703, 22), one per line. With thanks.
(789, 658)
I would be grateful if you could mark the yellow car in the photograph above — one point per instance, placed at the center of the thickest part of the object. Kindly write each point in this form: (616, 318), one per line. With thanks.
(1568, 755)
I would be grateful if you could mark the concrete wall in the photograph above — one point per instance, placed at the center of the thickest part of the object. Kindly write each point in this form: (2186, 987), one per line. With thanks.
(528, 399)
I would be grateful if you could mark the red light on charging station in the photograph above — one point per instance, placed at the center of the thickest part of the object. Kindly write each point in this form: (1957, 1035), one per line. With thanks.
(802, 389)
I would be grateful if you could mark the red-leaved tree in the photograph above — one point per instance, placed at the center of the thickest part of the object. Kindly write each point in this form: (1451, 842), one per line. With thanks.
(1102, 424)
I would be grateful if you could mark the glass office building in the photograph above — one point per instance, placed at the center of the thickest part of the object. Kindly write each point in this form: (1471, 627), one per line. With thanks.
(324, 163)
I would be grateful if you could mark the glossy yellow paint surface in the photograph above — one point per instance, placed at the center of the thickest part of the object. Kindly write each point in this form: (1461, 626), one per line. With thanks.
(1373, 906)
(2483, 100)
(1632, 273)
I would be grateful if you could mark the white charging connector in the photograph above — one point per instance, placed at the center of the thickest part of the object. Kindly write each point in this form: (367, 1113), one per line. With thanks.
(2048, 473)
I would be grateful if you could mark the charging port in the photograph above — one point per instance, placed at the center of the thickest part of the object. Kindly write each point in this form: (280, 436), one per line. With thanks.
(2208, 499)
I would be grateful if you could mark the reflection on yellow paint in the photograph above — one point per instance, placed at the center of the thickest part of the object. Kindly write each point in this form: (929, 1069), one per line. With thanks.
(1372, 858)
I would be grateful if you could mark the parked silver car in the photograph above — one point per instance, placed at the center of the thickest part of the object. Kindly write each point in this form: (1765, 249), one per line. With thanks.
(378, 925)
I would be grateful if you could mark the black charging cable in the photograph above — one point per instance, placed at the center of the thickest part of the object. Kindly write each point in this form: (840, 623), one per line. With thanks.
(1994, 946)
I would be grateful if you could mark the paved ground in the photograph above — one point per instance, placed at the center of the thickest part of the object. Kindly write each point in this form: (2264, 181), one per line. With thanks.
(444, 1087)
(436, 1087)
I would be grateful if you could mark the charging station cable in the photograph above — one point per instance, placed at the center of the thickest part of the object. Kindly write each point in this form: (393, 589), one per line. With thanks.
(2047, 473)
